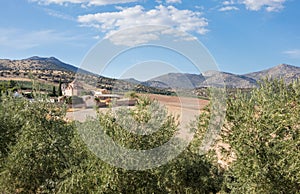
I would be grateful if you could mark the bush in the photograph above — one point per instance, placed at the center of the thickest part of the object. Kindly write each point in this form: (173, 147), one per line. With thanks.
(188, 173)
(42, 153)
(264, 133)
(38, 154)
(11, 122)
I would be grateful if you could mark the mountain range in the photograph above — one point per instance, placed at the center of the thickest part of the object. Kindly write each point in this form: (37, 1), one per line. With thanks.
(287, 72)
(167, 81)
(39, 63)
(215, 78)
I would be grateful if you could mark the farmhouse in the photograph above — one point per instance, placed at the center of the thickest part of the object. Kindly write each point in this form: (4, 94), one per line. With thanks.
(72, 89)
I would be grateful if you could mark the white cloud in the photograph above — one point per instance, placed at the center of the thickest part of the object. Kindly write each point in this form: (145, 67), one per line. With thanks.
(97, 37)
(253, 5)
(168, 1)
(148, 34)
(59, 15)
(269, 5)
(84, 2)
(135, 36)
(19, 39)
(228, 2)
(173, 1)
(184, 20)
(295, 53)
(228, 8)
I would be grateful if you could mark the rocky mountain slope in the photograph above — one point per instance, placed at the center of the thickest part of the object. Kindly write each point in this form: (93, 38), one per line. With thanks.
(36, 63)
(287, 72)
(214, 78)
(227, 79)
(176, 80)
(39, 63)
(52, 69)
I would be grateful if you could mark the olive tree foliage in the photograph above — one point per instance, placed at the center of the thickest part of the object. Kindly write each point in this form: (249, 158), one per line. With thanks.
(35, 146)
(43, 153)
(11, 122)
(263, 130)
(187, 173)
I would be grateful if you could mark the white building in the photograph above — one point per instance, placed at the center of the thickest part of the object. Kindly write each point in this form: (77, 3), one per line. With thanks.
(100, 92)
(72, 89)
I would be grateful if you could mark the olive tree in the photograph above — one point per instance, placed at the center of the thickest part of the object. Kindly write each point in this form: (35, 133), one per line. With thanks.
(187, 173)
(263, 130)
(39, 152)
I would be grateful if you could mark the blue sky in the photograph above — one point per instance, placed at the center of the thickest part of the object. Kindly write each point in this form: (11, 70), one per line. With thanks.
(242, 35)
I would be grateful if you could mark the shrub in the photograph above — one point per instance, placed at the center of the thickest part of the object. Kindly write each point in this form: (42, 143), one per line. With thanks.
(264, 133)
(188, 173)
(39, 153)
(42, 153)
(11, 122)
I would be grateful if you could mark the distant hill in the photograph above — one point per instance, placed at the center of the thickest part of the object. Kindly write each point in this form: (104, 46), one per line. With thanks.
(178, 80)
(132, 80)
(156, 84)
(39, 63)
(287, 72)
(215, 78)
(36, 63)
(210, 78)
(51, 69)
(230, 80)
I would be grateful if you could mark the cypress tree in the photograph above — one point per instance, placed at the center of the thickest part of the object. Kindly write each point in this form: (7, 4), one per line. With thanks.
(59, 88)
(54, 91)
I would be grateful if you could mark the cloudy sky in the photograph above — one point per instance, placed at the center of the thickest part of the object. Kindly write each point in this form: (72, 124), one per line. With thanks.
(241, 35)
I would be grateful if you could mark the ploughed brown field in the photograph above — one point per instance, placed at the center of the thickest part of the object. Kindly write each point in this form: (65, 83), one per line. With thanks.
(174, 103)
(187, 108)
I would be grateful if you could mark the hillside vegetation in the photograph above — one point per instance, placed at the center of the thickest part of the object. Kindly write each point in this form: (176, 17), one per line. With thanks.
(41, 152)
(52, 70)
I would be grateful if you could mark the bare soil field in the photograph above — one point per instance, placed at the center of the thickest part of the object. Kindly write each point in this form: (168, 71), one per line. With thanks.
(174, 102)
(186, 108)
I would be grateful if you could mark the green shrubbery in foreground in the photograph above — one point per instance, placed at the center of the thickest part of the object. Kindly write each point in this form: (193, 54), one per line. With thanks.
(264, 133)
(42, 153)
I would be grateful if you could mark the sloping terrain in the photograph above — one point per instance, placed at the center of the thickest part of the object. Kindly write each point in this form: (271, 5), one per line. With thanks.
(36, 63)
(228, 79)
(215, 78)
(287, 72)
(180, 80)
(52, 70)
